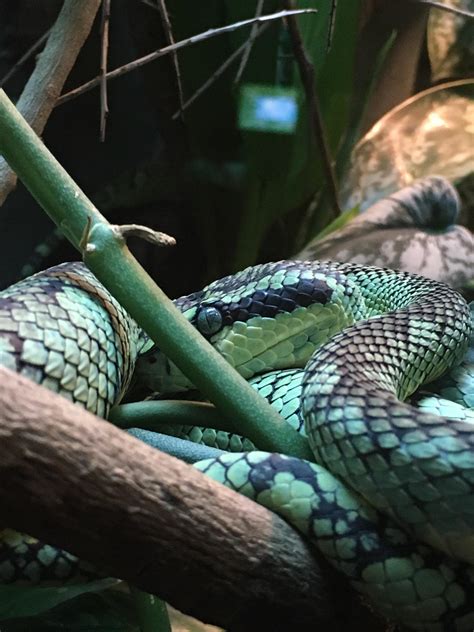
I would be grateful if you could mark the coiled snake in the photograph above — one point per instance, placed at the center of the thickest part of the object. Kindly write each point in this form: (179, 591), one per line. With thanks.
(382, 463)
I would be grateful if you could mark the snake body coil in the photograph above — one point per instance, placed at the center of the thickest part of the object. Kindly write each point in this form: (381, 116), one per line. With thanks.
(398, 331)
(64, 330)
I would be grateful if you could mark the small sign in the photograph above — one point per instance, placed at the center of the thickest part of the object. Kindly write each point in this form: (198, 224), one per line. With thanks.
(268, 109)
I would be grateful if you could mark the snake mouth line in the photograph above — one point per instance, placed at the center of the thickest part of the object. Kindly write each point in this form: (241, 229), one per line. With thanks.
(283, 343)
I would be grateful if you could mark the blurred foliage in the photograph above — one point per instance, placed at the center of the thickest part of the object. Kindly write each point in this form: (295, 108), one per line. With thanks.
(24, 601)
(89, 612)
(230, 197)
(276, 175)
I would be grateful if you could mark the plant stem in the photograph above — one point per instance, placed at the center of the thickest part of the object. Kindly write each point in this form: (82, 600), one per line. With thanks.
(171, 48)
(149, 414)
(106, 254)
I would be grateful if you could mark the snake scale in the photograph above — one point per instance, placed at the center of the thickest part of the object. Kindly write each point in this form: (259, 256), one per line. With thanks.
(389, 501)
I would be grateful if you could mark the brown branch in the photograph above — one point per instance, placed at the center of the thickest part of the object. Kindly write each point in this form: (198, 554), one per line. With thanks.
(104, 28)
(82, 484)
(308, 80)
(39, 96)
(249, 43)
(39, 42)
(397, 77)
(222, 68)
(170, 39)
(200, 37)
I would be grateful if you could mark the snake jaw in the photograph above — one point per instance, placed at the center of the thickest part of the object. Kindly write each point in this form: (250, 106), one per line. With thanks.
(287, 340)
(255, 346)
(270, 316)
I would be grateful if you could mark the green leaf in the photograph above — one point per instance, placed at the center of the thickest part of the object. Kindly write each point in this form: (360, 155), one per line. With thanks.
(109, 611)
(285, 173)
(22, 601)
(151, 611)
(338, 223)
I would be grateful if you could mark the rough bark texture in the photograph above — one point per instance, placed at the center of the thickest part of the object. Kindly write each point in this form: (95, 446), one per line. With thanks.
(78, 482)
(45, 84)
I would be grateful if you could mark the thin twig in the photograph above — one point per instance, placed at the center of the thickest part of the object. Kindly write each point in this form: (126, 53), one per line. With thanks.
(137, 63)
(249, 44)
(308, 80)
(151, 4)
(104, 107)
(332, 23)
(235, 55)
(155, 237)
(170, 39)
(25, 57)
(41, 92)
(446, 7)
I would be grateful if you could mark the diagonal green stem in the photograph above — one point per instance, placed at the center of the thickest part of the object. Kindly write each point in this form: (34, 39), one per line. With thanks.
(107, 255)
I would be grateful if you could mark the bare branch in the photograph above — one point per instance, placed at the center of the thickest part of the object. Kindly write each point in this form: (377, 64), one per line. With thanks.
(155, 237)
(200, 37)
(82, 484)
(40, 94)
(25, 57)
(104, 107)
(249, 43)
(308, 80)
(332, 24)
(396, 77)
(222, 68)
(170, 39)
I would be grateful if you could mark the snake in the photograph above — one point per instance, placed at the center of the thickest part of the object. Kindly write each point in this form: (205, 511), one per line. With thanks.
(389, 497)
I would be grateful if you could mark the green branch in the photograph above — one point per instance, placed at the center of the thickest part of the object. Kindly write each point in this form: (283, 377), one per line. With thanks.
(150, 414)
(105, 253)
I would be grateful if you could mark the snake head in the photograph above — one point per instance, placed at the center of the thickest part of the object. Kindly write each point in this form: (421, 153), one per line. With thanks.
(269, 316)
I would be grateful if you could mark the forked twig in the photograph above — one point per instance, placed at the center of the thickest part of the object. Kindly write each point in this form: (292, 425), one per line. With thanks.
(249, 43)
(137, 63)
(170, 39)
(222, 68)
(25, 57)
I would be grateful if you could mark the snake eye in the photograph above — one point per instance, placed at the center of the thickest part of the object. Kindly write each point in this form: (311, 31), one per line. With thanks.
(209, 321)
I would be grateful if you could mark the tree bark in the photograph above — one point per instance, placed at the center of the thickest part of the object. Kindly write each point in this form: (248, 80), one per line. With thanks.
(39, 96)
(80, 483)
(397, 77)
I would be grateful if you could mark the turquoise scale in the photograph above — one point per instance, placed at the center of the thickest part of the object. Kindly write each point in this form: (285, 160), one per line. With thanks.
(63, 329)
